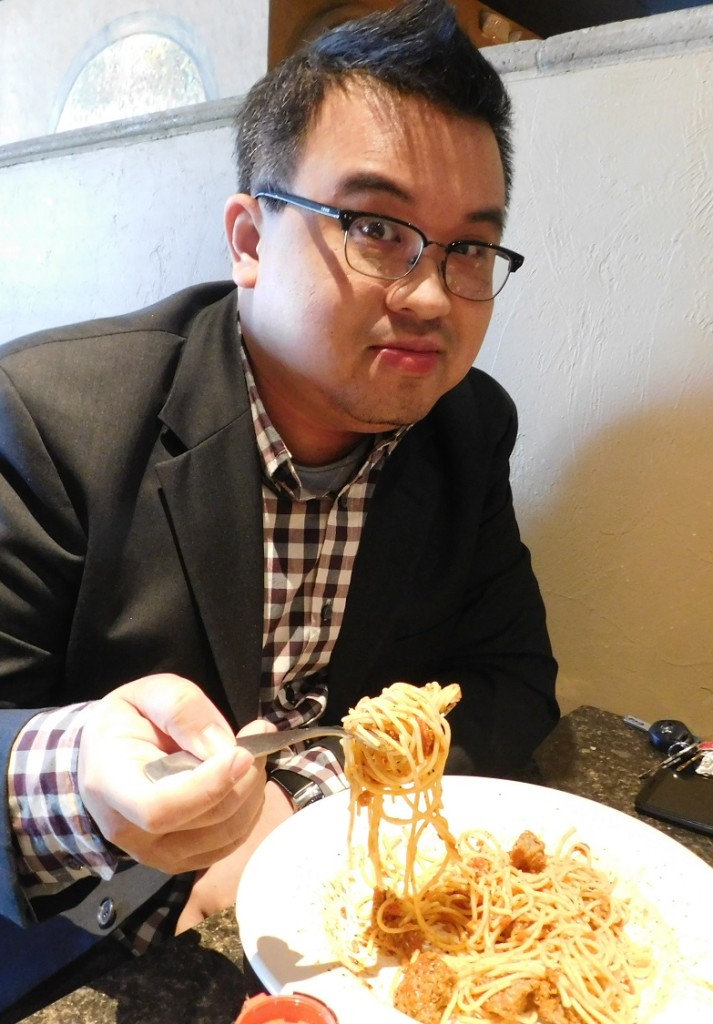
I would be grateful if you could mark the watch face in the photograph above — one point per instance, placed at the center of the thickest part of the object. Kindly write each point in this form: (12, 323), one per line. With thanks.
(301, 791)
(309, 794)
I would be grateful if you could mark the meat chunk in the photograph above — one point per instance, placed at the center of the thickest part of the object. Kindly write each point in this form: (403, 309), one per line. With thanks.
(549, 1006)
(525, 996)
(427, 739)
(512, 1002)
(528, 853)
(426, 988)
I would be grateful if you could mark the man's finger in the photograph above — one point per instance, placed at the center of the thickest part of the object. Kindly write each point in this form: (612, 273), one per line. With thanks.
(182, 711)
(175, 802)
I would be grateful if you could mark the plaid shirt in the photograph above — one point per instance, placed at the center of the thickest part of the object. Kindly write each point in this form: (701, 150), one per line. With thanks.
(310, 543)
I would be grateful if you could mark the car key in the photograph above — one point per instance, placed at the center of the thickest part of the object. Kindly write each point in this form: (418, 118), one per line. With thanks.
(667, 734)
(689, 753)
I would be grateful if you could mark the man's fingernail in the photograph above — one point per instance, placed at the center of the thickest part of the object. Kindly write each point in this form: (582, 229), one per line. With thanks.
(240, 764)
(215, 738)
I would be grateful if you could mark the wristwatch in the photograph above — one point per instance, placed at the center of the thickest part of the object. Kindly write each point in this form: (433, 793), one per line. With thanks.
(300, 791)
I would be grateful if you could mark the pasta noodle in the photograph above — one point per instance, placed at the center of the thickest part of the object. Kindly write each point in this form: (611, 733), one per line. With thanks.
(408, 760)
(482, 933)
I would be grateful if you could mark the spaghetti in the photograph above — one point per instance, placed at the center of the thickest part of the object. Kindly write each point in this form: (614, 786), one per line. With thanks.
(481, 933)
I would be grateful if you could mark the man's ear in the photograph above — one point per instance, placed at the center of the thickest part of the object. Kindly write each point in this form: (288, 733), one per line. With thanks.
(243, 220)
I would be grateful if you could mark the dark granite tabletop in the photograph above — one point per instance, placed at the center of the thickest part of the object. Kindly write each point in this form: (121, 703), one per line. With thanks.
(200, 978)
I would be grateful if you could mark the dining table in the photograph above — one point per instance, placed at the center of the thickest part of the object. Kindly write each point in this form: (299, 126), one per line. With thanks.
(202, 977)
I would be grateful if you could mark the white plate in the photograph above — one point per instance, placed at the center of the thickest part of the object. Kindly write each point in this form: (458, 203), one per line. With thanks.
(280, 898)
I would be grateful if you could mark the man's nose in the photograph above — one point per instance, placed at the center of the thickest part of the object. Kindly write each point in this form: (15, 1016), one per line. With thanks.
(424, 287)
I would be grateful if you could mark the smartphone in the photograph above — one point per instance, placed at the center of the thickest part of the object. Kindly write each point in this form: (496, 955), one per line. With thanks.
(683, 798)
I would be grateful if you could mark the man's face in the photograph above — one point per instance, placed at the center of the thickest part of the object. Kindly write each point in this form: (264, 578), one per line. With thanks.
(338, 354)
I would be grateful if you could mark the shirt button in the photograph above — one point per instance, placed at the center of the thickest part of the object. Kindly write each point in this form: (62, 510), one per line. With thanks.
(343, 502)
(326, 613)
(106, 915)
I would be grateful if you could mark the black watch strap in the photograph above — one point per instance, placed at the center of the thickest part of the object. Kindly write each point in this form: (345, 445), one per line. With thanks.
(301, 791)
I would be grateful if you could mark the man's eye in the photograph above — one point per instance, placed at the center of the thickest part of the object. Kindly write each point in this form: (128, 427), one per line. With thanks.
(471, 249)
(378, 230)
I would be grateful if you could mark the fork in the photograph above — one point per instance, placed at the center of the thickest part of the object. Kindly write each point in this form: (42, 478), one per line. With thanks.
(259, 744)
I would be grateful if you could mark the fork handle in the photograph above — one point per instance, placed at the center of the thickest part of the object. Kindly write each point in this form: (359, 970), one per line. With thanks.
(259, 744)
(181, 761)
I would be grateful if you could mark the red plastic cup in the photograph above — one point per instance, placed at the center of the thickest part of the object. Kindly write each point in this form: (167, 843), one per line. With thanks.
(289, 1009)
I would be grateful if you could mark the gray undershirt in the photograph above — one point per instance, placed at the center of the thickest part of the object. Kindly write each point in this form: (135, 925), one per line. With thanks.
(324, 480)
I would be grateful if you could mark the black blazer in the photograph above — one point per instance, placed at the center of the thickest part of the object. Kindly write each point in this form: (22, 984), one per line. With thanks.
(132, 540)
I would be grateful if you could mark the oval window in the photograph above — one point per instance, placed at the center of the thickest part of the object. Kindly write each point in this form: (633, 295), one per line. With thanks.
(138, 74)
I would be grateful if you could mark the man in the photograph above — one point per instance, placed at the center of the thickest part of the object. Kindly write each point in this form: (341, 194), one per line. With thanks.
(250, 506)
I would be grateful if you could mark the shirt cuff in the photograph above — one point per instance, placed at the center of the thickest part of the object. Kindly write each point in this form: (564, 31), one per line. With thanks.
(57, 841)
(316, 764)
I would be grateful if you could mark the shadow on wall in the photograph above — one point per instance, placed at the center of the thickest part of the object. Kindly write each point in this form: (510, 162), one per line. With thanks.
(625, 560)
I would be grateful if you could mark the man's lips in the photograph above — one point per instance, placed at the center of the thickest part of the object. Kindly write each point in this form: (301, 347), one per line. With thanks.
(415, 359)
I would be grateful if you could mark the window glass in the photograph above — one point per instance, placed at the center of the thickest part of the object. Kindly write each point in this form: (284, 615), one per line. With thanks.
(137, 74)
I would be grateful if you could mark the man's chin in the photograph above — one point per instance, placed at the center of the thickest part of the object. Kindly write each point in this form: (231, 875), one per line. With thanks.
(380, 422)
(389, 409)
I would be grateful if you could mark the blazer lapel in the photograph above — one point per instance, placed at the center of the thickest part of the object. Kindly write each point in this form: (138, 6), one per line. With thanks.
(213, 498)
(214, 504)
(396, 527)
(430, 466)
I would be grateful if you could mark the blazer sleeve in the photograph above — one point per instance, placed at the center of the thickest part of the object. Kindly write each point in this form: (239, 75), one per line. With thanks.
(42, 549)
(41, 545)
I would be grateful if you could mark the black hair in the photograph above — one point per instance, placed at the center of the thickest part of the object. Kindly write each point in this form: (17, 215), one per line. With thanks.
(416, 48)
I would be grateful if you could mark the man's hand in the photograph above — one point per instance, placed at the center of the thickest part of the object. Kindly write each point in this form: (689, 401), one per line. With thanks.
(215, 888)
(184, 822)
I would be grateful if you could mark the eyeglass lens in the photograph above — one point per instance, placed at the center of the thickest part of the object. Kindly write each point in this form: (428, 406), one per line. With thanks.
(382, 248)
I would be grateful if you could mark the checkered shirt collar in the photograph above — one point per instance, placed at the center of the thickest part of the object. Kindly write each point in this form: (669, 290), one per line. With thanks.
(278, 467)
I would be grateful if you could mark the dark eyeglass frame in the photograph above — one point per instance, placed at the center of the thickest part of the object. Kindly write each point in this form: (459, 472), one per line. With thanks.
(347, 217)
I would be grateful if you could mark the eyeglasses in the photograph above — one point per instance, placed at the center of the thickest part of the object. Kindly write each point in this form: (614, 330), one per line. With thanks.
(389, 249)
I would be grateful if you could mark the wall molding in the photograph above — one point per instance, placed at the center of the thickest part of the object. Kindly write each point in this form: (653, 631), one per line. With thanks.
(200, 117)
(654, 37)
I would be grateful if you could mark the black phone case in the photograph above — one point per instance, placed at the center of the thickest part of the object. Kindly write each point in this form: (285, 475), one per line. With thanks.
(683, 798)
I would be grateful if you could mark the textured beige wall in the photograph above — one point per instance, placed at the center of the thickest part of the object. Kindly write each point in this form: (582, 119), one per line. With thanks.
(605, 338)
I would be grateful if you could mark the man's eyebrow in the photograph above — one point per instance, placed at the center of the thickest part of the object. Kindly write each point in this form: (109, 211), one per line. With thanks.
(377, 183)
(490, 215)
(365, 182)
